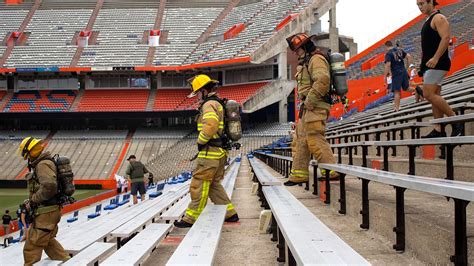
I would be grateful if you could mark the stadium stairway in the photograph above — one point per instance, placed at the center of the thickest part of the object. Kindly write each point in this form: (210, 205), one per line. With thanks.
(217, 21)
(89, 27)
(242, 242)
(158, 20)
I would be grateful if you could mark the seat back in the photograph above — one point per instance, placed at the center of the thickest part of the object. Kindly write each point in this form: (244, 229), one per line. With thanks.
(160, 187)
(76, 213)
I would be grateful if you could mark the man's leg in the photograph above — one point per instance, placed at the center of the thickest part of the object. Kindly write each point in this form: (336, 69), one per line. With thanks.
(299, 170)
(318, 145)
(199, 190)
(396, 100)
(431, 93)
(142, 191)
(54, 250)
(36, 241)
(217, 193)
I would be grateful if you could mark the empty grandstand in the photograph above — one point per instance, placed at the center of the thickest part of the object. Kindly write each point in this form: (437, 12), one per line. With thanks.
(100, 80)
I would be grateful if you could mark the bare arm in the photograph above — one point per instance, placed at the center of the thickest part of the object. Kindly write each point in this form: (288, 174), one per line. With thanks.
(441, 25)
(409, 59)
(386, 70)
(22, 217)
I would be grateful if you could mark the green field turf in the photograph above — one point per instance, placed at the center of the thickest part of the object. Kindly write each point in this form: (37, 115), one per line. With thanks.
(10, 198)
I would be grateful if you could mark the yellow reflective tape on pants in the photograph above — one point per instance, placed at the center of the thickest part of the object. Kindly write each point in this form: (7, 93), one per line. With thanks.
(323, 172)
(230, 207)
(299, 173)
(204, 195)
(202, 203)
(192, 213)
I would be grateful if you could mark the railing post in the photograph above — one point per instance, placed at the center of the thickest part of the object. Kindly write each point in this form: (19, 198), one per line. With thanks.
(365, 152)
(394, 148)
(315, 179)
(328, 188)
(365, 204)
(281, 246)
(377, 138)
(385, 158)
(460, 233)
(273, 228)
(342, 193)
(449, 162)
(400, 228)
(351, 162)
(411, 159)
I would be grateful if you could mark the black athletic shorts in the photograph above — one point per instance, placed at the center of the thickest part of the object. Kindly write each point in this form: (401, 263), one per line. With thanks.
(138, 186)
(400, 81)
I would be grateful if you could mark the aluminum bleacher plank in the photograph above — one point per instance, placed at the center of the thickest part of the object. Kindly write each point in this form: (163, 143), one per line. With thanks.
(449, 188)
(262, 175)
(138, 249)
(431, 141)
(310, 240)
(200, 243)
(90, 255)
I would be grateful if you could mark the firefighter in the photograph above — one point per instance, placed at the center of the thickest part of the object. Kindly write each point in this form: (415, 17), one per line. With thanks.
(211, 158)
(42, 204)
(313, 79)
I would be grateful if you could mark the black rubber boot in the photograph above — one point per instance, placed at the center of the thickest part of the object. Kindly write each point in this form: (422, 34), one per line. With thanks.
(182, 224)
(233, 219)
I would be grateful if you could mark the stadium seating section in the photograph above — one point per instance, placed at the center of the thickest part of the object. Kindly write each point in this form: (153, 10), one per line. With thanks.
(40, 101)
(113, 100)
(95, 153)
(120, 31)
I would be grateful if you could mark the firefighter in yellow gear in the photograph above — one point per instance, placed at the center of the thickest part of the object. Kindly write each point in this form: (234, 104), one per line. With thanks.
(313, 79)
(42, 202)
(211, 158)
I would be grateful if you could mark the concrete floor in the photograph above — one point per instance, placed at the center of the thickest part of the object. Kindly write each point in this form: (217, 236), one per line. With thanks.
(241, 243)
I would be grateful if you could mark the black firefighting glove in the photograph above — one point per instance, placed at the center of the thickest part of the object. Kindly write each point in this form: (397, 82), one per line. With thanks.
(201, 147)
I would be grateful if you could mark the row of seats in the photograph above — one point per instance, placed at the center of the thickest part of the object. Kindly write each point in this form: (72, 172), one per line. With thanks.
(41, 101)
(117, 100)
(113, 100)
(122, 32)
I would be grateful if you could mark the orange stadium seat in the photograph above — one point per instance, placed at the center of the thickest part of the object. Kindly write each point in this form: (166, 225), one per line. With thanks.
(40, 101)
(113, 100)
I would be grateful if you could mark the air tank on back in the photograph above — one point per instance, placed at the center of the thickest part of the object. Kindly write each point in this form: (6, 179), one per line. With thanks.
(339, 73)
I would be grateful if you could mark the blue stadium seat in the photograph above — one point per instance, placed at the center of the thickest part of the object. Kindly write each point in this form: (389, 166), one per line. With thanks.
(159, 190)
(98, 210)
(74, 217)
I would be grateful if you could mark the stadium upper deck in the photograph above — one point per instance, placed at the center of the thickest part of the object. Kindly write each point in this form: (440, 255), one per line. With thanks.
(45, 33)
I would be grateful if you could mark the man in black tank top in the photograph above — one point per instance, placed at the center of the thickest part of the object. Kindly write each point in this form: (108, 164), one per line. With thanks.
(435, 63)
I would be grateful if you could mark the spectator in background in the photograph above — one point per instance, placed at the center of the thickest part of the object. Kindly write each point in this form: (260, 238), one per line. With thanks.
(388, 80)
(23, 221)
(395, 66)
(6, 221)
(150, 180)
(435, 64)
(414, 85)
(136, 176)
(124, 185)
(119, 186)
